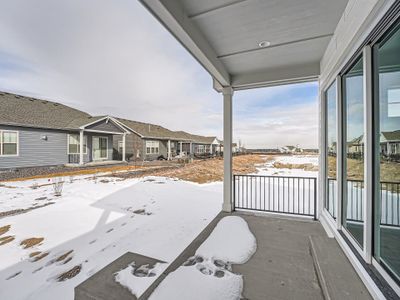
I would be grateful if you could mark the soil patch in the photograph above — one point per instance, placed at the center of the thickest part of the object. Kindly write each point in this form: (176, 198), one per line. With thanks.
(28, 243)
(22, 210)
(6, 239)
(70, 273)
(4, 229)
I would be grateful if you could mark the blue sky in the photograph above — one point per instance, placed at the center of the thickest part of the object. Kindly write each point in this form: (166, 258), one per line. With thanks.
(118, 60)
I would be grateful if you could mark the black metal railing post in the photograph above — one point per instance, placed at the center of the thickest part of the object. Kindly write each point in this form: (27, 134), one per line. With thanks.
(315, 199)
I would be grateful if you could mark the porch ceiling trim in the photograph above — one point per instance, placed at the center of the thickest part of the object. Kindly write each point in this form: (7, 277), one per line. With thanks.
(294, 52)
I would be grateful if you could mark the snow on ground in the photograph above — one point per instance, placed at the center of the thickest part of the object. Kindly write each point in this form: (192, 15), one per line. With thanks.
(138, 279)
(298, 159)
(98, 219)
(208, 275)
(268, 169)
(231, 241)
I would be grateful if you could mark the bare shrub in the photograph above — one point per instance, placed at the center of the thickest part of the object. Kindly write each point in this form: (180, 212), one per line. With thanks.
(58, 184)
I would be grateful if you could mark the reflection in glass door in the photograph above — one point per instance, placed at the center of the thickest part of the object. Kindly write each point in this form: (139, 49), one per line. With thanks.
(331, 144)
(387, 199)
(353, 135)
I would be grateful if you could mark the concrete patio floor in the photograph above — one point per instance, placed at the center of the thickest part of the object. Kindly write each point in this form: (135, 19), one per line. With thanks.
(294, 260)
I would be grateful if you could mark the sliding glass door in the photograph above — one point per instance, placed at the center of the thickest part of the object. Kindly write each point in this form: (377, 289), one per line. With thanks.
(331, 149)
(387, 152)
(353, 143)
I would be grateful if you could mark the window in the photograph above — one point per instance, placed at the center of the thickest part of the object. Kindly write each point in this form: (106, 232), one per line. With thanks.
(200, 149)
(353, 143)
(387, 104)
(9, 143)
(331, 144)
(73, 144)
(152, 147)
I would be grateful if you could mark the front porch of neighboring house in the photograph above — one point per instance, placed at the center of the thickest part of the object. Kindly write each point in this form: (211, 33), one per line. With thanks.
(93, 144)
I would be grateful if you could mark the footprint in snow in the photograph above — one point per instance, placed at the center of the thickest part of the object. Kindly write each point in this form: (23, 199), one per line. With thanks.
(109, 230)
(92, 242)
(123, 224)
(13, 275)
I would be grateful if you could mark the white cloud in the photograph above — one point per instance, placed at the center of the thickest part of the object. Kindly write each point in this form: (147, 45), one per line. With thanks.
(113, 57)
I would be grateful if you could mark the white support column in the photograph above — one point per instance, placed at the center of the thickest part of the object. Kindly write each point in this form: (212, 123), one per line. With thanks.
(169, 150)
(81, 147)
(180, 148)
(190, 148)
(368, 155)
(124, 147)
(228, 176)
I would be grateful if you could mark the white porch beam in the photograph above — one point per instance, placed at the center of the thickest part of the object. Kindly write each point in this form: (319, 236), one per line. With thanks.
(277, 76)
(172, 15)
(124, 147)
(180, 148)
(228, 176)
(81, 147)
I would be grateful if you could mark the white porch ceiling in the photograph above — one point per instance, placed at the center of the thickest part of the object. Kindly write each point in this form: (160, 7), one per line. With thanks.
(223, 35)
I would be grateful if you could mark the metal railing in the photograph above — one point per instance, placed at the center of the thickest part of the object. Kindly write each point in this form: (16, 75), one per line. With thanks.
(277, 194)
(389, 199)
(390, 203)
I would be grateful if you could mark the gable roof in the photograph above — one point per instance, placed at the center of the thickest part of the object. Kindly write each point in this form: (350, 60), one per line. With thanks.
(196, 138)
(31, 112)
(147, 130)
(391, 135)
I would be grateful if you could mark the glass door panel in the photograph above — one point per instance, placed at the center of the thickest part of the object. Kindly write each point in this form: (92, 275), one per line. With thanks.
(387, 206)
(353, 135)
(331, 144)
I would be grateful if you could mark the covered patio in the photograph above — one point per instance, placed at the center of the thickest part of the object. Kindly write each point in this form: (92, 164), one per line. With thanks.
(249, 44)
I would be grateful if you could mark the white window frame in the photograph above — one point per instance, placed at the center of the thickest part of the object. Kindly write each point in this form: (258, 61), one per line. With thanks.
(85, 140)
(1, 143)
(152, 145)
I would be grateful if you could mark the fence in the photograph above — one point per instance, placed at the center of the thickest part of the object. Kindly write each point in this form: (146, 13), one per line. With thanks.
(278, 194)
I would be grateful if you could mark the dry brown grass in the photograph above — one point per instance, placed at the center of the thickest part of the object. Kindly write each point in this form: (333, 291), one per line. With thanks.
(390, 171)
(37, 255)
(6, 239)
(81, 172)
(4, 229)
(70, 273)
(64, 256)
(28, 243)
(305, 167)
(211, 170)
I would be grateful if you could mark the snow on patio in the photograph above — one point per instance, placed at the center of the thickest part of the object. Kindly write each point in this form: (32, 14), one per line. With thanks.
(208, 275)
(95, 221)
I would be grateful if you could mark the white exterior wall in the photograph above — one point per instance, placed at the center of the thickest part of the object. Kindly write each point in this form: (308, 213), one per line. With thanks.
(357, 21)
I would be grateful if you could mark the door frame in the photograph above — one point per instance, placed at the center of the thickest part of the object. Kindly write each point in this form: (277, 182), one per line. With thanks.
(99, 137)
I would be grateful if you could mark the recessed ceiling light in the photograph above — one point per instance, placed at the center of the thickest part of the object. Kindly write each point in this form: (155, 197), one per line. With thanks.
(264, 44)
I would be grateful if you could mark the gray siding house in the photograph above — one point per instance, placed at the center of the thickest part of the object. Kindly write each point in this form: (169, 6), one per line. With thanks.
(36, 132)
(149, 142)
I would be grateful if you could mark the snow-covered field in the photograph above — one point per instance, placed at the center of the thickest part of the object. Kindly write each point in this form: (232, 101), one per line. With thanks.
(268, 168)
(98, 219)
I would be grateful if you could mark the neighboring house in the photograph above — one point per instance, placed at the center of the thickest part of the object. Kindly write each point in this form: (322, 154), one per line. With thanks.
(36, 132)
(291, 149)
(390, 142)
(150, 141)
(356, 145)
